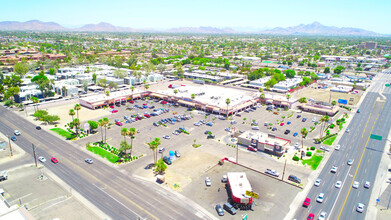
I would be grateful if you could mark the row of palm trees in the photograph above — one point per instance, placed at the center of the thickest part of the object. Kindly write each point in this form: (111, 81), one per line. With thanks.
(131, 132)
(323, 121)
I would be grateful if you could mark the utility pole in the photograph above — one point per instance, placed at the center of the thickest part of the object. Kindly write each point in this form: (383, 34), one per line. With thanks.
(9, 142)
(283, 172)
(237, 152)
(35, 156)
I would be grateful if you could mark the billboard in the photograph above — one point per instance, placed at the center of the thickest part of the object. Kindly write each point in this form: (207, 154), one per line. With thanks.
(343, 101)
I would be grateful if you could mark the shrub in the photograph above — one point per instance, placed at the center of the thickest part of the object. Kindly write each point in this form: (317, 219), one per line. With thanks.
(295, 158)
(309, 153)
(312, 148)
(332, 126)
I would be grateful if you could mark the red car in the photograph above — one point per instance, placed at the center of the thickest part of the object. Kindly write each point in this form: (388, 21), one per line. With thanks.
(163, 102)
(146, 115)
(118, 123)
(54, 160)
(111, 106)
(114, 111)
(282, 123)
(252, 148)
(311, 216)
(131, 101)
(145, 104)
(306, 202)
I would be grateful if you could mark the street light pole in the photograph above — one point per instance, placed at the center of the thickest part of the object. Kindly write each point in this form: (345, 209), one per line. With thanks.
(35, 156)
(283, 172)
(9, 142)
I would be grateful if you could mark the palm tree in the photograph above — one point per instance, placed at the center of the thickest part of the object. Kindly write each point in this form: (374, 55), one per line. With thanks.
(63, 90)
(105, 123)
(146, 87)
(325, 119)
(193, 96)
(227, 101)
(35, 101)
(71, 113)
(107, 93)
(132, 132)
(158, 143)
(260, 90)
(124, 132)
(101, 124)
(262, 96)
(77, 108)
(304, 133)
(288, 96)
(132, 88)
(76, 123)
(175, 91)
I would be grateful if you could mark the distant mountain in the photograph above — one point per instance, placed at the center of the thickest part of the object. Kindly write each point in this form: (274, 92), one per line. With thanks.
(104, 27)
(33, 25)
(203, 30)
(318, 29)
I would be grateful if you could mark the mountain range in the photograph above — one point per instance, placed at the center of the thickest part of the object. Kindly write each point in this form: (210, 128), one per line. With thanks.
(303, 29)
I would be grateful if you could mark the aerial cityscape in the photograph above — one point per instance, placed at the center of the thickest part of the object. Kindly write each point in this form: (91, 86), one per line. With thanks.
(195, 110)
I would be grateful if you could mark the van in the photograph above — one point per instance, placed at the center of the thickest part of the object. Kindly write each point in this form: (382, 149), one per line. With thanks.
(229, 208)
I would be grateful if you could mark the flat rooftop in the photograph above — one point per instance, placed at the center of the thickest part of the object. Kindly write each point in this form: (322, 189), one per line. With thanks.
(264, 138)
(239, 184)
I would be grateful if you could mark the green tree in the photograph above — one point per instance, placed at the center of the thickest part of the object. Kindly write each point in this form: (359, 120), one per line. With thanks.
(120, 73)
(124, 146)
(153, 146)
(21, 68)
(93, 125)
(35, 101)
(94, 78)
(132, 132)
(227, 101)
(290, 73)
(160, 166)
(327, 70)
(52, 71)
(101, 125)
(77, 108)
(333, 102)
(105, 124)
(50, 118)
(304, 133)
(72, 113)
(338, 69)
(303, 100)
(39, 114)
(262, 96)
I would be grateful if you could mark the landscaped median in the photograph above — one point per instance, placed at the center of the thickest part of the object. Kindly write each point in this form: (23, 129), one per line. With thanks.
(112, 154)
(64, 133)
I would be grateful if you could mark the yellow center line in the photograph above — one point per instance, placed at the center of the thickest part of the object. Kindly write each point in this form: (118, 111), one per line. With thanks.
(359, 163)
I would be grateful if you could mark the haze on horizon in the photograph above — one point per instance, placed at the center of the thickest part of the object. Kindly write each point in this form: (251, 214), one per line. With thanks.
(251, 14)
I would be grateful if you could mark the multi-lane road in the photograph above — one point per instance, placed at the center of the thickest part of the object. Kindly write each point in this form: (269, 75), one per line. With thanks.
(113, 192)
(366, 153)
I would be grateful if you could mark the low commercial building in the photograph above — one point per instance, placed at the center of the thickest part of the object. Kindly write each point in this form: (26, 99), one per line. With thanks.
(100, 100)
(267, 143)
(239, 184)
(286, 85)
(318, 107)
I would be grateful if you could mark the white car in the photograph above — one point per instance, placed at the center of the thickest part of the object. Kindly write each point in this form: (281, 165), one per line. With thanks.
(320, 198)
(166, 137)
(208, 182)
(317, 182)
(17, 133)
(350, 162)
(360, 207)
(356, 184)
(337, 147)
(224, 179)
(338, 184)
(227, 129)
(334, 169)
(322, 215)
(297, 145)
(347, 130)
(314, 119)
(89, 161)
(367, 184)
(42, 159)
(255, 128)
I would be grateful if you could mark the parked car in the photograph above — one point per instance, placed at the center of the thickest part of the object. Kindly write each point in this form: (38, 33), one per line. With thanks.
(206, 132)
(209, 124)
(255, 128)
(211, 136)
(287, 131)
(272, 172)
(295, 134)
(298, 116)
(227, 129)
(166, 137)
(118, 123)
(54, 160)
(208, 182)
(177, 154)
(219, 210)
(229, 208)
(250, 148)
(89, 161)
(307, 202)
(274, 129)
(294, 179)
(304, 120)
(114, 111)
(224, 179)
(288, 123)
(282, 124)
(167, 160)
(161, 150)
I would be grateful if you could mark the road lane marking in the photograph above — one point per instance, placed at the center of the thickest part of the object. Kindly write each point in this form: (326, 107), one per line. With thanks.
(362, 136)
(339, 190)
(359, 163)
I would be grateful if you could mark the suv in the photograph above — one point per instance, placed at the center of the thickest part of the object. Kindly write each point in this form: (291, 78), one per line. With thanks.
(229, 208)
(287, 131)
(294, 179)
(167, 160)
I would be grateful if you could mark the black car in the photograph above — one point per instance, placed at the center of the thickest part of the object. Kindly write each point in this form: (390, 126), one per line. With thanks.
(229, 208)
(294, 179)
(152, 107)
(287, 131)
(298, 116)
(206, 132)
(167, 160)
(38, 127)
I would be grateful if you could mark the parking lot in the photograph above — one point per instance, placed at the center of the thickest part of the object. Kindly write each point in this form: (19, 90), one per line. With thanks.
(35, 190)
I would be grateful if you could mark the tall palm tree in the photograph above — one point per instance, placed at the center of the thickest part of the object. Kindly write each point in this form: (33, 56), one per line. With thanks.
(35, 101)
(71, 113)
(158, 143)
(325, 119)
(304, 133)
(105, 124)
(124, 132)
(132, 132)
(227, 101)
(76, 123)
(101, 124)
(132, 88)
(77, 108)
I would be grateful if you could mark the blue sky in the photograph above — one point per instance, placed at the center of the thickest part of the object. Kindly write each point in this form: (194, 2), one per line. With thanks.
(161, 14)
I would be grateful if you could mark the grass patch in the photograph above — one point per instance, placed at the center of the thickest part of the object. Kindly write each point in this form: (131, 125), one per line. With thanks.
(103, 153)
(63, 133)
(329, 141)
(314, 161)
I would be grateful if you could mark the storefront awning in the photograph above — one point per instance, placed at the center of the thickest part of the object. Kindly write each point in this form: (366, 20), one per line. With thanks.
(99, 103)
(186, 103)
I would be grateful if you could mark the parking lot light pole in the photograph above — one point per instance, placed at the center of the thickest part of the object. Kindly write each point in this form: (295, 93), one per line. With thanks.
(9, 142)
(283, 172)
